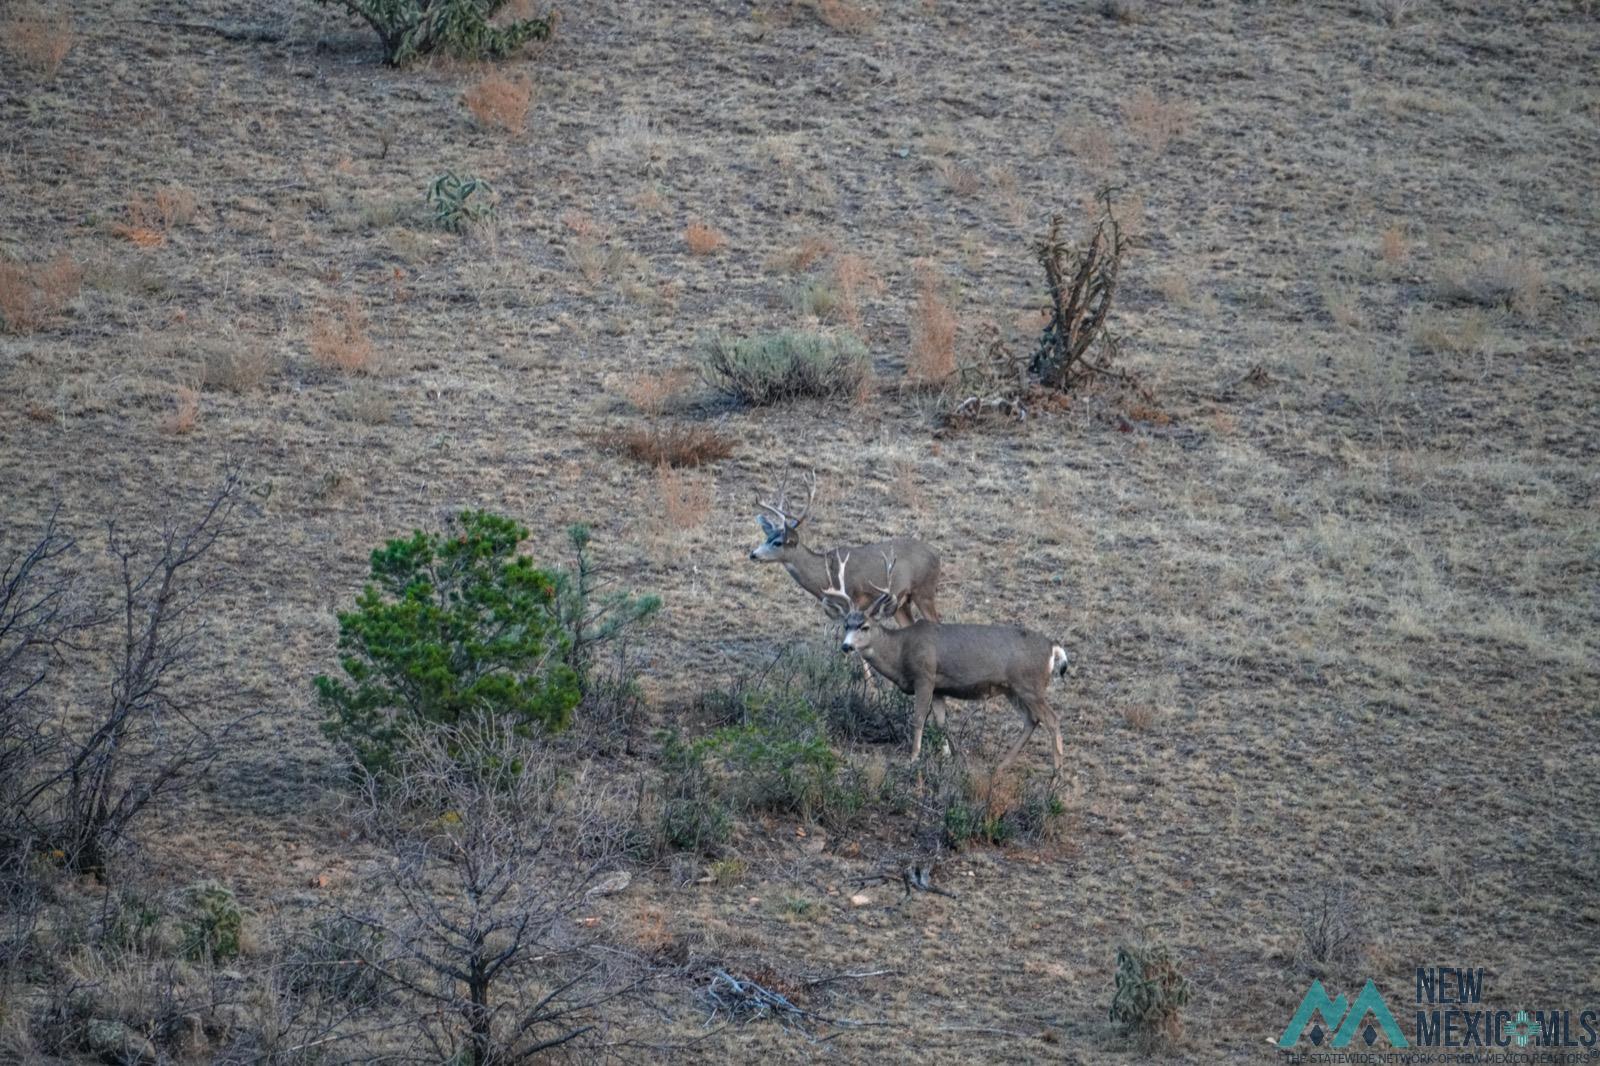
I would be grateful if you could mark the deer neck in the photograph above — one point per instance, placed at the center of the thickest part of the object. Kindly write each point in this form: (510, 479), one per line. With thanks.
(885, 656)
(809, 569)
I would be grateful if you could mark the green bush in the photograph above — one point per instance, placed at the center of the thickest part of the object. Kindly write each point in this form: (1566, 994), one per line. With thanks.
(212, 922)
(1150, 993)
(457, 28)
(990, 810)
(694, 816)
(456, 203)
(451, 624)
(774, 367)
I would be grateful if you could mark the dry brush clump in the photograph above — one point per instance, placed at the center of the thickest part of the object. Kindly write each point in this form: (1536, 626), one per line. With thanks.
(1156, 120)
(1505, 278)
(33, 297)
(39, 40)
(150, 219)
(501, 101)
(339, 339)
(675, 444)
(702, 239)
(933, 332)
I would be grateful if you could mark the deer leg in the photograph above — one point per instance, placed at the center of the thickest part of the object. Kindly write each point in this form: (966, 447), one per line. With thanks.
(1029, 723)
(938, 720)
(919, 718)
(1042, 713)
(902, 616)
(924, 604)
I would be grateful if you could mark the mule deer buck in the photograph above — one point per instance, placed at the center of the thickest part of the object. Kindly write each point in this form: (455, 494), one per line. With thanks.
(917, 584)
(934, 661)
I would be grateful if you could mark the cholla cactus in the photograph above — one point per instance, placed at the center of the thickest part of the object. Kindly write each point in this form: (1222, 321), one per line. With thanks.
(458, 28)
(1150, 993)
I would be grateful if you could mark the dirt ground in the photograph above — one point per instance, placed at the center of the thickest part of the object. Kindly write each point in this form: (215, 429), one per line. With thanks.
(1332, 592)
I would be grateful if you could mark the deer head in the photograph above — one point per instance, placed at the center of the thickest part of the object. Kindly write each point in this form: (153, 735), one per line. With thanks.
(861, 627)
(782, 537)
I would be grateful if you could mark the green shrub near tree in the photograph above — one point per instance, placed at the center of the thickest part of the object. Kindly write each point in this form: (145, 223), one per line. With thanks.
(451, 623)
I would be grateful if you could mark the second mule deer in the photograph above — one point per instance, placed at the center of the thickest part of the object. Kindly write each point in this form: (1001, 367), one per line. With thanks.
(934, 661)
(916, 584)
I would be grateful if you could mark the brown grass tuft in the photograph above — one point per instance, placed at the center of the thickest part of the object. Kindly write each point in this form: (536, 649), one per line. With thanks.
(961, 179)
(339, 339)
(37, 39)
(151, 218)
(676, 445)
(1392, 248)
(933, 332)
(702, 239)
(32, 297)
(1495, 277)
(184, 414)
(501, 101)
(852, 276)
(1156, 120)
(846, 16)
(1139, 716)
(651, 393)
(801, 257)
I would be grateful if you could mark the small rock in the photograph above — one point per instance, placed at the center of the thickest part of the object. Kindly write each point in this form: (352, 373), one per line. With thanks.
(117, 1043)
(611, 884)
(860, 899)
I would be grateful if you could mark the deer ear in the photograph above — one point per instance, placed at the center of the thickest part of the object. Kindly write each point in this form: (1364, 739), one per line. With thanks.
(836, 610)
(766, 524)
(882, 607)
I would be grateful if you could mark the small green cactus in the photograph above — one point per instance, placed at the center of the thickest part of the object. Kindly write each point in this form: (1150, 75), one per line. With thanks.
(212, 923)
(1150, 993)
(456, 200)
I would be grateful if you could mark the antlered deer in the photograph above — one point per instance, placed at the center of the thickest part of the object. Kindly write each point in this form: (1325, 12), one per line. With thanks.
(934, 661)
(916, 584)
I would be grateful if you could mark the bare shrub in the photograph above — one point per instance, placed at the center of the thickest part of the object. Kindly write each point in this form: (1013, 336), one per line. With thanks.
(933, 332)
(1082, 283)
(37, 39)
(501, 101)
(959, 178)
(1330, 923)
(95, 775)
(801, 257)
(676, 444)
(1156, 120)
(492, 844)
(1394, 13)
(650, 394)
(339, 339)
(237, 367)
(151, 218)
(33, 297)
(1461, 333)
(702, 239)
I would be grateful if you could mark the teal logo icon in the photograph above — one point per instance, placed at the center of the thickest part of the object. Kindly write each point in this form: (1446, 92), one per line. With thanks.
(1524, 1029)
(1346, 1019)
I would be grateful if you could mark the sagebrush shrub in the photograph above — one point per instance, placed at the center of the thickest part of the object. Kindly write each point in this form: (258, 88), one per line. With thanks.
(788, 365)
(460, 29)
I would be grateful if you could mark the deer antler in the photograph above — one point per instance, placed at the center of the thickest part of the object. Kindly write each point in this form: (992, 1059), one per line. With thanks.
(886, 596)
(839, 593)
(783, 501)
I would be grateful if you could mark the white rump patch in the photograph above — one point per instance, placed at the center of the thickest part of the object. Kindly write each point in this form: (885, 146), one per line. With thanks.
(1058, 660)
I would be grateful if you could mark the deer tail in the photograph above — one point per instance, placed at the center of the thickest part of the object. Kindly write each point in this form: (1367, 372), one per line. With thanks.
(1059, 660)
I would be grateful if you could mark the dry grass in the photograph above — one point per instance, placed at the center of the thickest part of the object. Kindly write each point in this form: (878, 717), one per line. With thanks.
(33, 297)
(237, 367)
(1155, 120)
(702, 239)
(339, 339)
(150, 219)
(845, 15)
(649, 394)
(801, 257)
(37, 39)
(853, 278)
(1392, 246)
(1091, 148)
(961, 179)
(933, 332)
(500, 101)
(1175, 289)
(675, 445)
(1507, 278)
(683, 501)
(183, 413)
